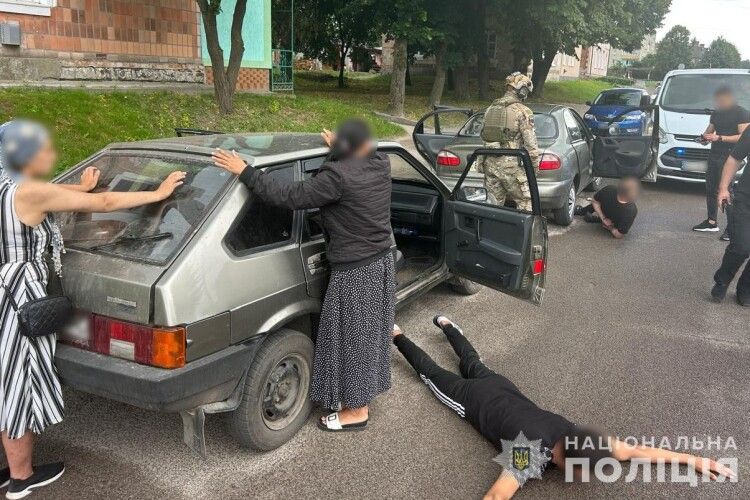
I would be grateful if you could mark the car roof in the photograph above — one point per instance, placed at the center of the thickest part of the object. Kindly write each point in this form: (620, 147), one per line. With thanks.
(707, 71)
(259, 146)
(624, 89)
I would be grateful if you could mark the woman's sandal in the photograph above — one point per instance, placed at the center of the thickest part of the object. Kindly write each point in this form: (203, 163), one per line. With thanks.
(331, 423)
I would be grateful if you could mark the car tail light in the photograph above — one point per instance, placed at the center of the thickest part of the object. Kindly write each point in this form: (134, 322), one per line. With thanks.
(154, 346)
(538, 267)
(549, 161)
(448, 159)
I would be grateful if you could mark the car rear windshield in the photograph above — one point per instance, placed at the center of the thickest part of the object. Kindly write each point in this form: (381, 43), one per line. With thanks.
(695, 93)
(544, 125)
(619, 98)
(152, 233)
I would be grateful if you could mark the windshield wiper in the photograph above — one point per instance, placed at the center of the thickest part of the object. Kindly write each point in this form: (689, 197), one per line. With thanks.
(133, 239)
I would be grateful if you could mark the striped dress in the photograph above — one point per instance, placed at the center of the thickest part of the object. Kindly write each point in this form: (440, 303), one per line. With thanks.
(30, 393)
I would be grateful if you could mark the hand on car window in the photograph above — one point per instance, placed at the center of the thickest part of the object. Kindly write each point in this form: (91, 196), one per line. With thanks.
(172, 182)
(328, 137)
(90, 178)
(230, 162)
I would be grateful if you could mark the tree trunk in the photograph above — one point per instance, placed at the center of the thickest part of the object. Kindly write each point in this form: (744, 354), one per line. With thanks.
(398, 78)
(436, 94)
(342, 63)
(450, 79)
(225, 77)
(542, 63)
(461, 81)
(483, 74)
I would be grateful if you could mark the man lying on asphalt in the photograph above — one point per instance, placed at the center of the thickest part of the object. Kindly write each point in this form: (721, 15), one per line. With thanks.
(614, 207)
(738, 250)
(503, 414)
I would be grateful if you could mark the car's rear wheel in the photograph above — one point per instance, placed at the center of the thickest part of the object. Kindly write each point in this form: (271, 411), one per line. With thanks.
(564, 215)
(275, 399)
(462, 286)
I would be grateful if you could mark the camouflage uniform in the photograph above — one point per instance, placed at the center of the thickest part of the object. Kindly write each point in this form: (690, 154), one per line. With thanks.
(509, 125)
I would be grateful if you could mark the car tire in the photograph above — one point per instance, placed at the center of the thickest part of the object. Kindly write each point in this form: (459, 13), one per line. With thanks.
(563, 216)
(275, 400)
(462, 286)
(595, 184)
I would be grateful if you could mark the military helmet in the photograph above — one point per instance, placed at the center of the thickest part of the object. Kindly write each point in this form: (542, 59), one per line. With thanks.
(519, 81)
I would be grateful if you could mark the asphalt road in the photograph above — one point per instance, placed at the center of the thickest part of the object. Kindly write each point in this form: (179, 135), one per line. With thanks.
(626, 340)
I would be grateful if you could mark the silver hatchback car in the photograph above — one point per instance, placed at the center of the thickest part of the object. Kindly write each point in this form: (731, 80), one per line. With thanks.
(208, 302)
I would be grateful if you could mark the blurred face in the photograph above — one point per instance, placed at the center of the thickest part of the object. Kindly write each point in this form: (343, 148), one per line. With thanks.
(724, 101)
(42, 164)
(632, 189)
(364, 150)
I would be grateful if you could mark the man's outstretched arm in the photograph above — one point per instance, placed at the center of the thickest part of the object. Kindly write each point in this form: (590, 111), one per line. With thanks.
(624, 452)
(504, 488)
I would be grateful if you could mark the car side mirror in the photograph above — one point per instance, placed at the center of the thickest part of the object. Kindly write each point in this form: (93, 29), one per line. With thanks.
(646, 102)
(588, 103)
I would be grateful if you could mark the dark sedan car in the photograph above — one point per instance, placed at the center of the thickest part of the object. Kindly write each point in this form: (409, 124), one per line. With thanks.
(565, 144)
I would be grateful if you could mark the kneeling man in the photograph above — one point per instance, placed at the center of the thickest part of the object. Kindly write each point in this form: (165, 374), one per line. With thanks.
(502, 413)
(614, 207)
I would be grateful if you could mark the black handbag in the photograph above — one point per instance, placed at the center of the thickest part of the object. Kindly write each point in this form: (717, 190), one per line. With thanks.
(42, 316)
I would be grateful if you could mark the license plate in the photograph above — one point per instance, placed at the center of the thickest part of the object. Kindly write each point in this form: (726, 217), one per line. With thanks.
(694, 166)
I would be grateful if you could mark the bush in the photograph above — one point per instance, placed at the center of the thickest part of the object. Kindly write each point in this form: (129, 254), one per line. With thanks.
(614, 80)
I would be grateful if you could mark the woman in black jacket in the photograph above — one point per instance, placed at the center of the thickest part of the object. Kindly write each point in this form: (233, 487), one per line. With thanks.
(353, 191)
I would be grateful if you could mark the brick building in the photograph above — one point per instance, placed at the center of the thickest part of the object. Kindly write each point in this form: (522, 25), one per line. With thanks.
(121, 40)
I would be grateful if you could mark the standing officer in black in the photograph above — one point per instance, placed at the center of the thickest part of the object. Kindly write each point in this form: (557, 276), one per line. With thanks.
(728, 122)
(739, 248)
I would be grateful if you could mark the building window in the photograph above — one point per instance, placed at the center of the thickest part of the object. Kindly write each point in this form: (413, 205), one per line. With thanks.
(492, 45)
(33, 7)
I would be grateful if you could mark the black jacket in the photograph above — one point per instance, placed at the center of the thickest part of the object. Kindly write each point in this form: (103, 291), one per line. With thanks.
(354, 197)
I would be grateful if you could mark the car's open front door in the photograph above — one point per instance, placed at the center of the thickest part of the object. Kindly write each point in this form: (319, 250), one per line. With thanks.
(617, 156)
(437, 129)
(498, 246)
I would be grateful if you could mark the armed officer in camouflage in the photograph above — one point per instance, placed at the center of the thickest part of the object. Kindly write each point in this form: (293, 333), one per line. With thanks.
(508, 124)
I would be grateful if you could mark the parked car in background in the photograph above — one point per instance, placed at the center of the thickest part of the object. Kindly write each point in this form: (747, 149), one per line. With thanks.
(564, 141)
(208, 302)
(685, 103)
(605, 115)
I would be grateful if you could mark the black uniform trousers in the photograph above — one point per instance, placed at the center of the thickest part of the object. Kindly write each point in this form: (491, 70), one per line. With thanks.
(738, 250)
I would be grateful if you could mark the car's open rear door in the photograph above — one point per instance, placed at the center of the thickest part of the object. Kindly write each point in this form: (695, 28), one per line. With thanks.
(498, 246)
(619, 156)
(437, 129)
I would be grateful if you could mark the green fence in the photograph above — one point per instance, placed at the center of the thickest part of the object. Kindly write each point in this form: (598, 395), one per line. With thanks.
(282, 74)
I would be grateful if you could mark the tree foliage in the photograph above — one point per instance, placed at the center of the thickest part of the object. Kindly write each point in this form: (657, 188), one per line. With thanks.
(721, 54)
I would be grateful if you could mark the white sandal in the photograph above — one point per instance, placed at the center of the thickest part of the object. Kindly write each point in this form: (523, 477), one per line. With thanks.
(332, 423)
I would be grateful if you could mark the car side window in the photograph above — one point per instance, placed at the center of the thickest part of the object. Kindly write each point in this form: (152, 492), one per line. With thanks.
(312, 227)
(582, 126)
(574, 128)
(402, 170)
(262, 225)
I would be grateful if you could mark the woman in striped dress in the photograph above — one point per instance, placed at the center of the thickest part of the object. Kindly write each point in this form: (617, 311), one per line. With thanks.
(30, 394)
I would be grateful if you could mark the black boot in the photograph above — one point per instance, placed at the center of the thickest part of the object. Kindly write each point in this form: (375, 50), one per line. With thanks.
(719, 291)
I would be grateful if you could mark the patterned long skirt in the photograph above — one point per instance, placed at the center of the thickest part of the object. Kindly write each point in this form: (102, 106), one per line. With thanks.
(353, 350)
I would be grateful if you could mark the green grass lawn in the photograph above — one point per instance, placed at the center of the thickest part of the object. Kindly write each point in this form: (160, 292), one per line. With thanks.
(84, 122)
(372, 91)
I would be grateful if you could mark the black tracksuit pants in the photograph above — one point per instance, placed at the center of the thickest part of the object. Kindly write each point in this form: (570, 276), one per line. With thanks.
(465, 393)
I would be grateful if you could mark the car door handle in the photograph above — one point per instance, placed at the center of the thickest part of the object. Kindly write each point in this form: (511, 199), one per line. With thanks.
(317, 263)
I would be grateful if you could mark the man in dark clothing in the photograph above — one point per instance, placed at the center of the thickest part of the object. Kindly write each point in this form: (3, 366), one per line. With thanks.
(614, 207)
(739, 248)
(498, 409)
(728, 122)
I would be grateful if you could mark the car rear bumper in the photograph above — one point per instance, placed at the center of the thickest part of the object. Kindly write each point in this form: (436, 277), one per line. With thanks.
(206, 380)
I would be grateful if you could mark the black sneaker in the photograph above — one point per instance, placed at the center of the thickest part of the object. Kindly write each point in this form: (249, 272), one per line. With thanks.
(42, 476)
(4, 477)
(707, 227)
(579, 210)
(719, 291)
(725, 235)
(436, 322)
